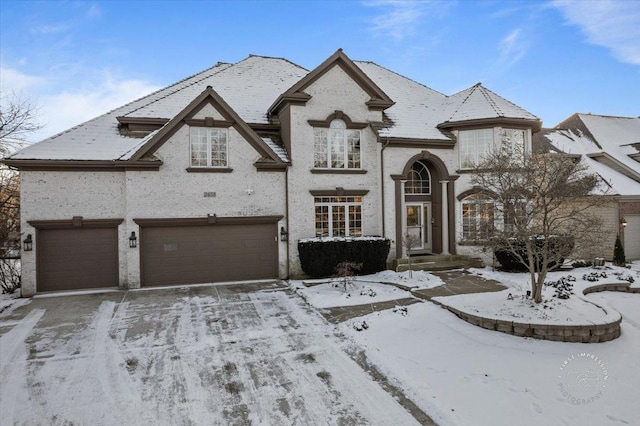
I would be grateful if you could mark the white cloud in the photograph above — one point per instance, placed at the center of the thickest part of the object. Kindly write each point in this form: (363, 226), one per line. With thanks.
(611, 24)
(398, 17)
(12, 80)
(512, 48)
(50, 29)
(65, 109)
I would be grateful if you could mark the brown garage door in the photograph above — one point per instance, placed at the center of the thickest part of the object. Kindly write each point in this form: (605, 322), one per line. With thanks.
(71, 259)
(202, 254)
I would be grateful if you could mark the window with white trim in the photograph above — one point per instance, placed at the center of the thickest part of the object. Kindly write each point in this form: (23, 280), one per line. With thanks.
(475, 144)
(336, 147)
(418, 180)
(478, 213)
(338, 216)
(208, 147)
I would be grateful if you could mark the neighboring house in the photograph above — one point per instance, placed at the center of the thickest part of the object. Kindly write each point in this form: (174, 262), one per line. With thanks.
(218, 176)
(610, 146)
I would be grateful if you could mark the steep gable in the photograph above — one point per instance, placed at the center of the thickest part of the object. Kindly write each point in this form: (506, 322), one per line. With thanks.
(209, 98)
(295, 94)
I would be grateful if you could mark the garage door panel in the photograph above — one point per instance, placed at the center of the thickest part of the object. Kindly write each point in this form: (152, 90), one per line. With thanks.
(70, 259)
(632, 237)
(200, 254)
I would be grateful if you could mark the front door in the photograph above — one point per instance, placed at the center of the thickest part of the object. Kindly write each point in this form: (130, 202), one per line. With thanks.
(418, 225)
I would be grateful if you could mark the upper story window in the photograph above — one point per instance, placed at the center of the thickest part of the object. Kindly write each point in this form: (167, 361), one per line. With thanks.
(336, 147)
(474, 145)
(419, 180)
(208, 146)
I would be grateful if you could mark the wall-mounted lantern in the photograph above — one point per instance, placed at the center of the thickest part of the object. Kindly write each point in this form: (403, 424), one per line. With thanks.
(27, 244)
(623, 222)
(133, 240)
(284, 235)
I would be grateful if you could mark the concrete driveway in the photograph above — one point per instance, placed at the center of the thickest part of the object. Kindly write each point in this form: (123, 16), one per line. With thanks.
(234, 354)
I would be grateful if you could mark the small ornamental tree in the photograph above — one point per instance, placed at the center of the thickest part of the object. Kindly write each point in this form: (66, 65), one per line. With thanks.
(409, 242)
(618, 253)
(540, 202)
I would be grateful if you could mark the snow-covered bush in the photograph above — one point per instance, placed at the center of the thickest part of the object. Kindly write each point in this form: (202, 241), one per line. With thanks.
(319, 257)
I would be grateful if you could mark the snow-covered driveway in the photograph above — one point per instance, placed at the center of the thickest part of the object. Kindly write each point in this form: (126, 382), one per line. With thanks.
(198, 355)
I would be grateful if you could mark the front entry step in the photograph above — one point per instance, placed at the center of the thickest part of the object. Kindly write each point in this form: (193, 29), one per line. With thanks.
(437, 263)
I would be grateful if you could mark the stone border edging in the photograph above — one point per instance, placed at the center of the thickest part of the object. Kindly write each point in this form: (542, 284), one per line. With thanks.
(589, 333)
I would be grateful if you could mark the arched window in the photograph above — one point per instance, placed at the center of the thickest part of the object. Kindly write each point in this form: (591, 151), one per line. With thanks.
(418, 180)
(336, 147)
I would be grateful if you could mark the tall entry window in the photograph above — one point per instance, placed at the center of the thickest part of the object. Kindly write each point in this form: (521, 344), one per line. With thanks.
(418, 180)
(336, 147)
(338, 216)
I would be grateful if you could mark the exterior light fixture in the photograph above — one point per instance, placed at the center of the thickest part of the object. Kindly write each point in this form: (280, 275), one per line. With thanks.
(284, 235)
(27, 244)
(623, 222)
(133, 240)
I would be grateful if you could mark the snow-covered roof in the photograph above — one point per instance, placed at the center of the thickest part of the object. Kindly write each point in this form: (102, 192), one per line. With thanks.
(606, 145)
(416, 112)
(478, 103)
(250, 87)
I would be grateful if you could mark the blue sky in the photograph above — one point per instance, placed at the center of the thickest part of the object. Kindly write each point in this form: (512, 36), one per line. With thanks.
(78, 59)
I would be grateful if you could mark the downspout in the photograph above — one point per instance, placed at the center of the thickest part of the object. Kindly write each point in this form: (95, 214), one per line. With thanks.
(286, 201)
(382, 184)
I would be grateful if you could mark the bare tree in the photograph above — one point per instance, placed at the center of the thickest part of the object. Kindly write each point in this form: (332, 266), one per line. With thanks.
(546, 202)
(17, 119)
(409, 241)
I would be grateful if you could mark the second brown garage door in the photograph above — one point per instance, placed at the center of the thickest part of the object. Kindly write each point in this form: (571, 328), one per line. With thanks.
(203, 254)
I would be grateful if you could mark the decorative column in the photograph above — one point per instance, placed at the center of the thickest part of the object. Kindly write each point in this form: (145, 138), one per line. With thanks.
(445, 217)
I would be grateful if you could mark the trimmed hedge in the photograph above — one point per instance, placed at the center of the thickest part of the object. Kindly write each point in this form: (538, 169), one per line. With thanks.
(558, 245)
(319, 258)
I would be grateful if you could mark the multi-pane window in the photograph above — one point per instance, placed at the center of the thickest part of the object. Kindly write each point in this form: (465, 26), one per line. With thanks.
(338, 216)
(419, 180)
(208, 147)
(474, 145)
(512, 140)
(336, 147)
(477, 217)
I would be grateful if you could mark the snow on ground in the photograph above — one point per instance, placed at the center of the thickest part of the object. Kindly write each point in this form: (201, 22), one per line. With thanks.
(333, 294)
(364, 289)
(462, 374)
(513, 305)
(191, 356)
(9, 302)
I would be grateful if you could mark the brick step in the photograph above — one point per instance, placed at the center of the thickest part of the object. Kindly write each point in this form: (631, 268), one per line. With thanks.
(438, 263)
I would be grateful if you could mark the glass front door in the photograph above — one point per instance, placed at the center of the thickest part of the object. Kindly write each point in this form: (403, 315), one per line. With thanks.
(418, 225)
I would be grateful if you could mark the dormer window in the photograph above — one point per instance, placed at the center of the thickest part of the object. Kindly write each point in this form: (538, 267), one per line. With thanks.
(336, 147)
(208, 146)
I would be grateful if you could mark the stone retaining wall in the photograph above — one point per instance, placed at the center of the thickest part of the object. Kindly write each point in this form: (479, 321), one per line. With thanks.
(591, 333)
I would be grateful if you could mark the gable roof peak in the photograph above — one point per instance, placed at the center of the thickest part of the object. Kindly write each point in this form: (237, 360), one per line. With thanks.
(379, 99)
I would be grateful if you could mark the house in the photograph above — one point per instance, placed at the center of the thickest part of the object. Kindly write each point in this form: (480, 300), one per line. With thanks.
(610, 147)
(216, 177)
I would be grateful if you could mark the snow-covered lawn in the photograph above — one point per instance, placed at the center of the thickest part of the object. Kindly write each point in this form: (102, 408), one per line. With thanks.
(563, 300)
(380, 287)
(461, 374)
